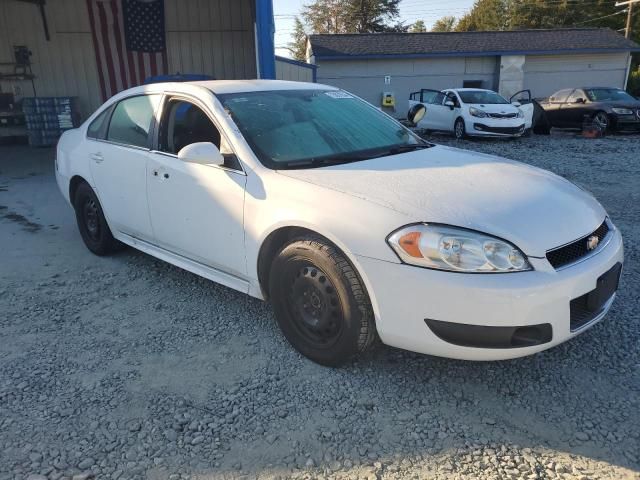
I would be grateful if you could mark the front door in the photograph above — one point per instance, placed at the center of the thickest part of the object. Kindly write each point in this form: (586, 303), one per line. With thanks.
(196, 210)
(118, 165)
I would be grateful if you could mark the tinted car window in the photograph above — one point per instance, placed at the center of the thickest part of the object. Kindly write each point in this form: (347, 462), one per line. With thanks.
(183, 123)
(560, 96)
(131, 120)
(609, 95)
(96, 128)
(481, 96)
(575, 96)
(454, 98)
(438, 98)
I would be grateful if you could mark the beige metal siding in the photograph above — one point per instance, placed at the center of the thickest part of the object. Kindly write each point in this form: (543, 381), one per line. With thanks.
(546, 74)
(212, 37)
(296, 73)
(64, 66)
(366, 78)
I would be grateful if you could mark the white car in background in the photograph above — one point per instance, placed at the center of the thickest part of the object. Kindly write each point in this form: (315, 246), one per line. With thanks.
(472, 112)
(351, 225)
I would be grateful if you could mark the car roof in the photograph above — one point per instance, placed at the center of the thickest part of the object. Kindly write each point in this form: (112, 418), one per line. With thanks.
(470, 90)
(218, 87)
(242, 86)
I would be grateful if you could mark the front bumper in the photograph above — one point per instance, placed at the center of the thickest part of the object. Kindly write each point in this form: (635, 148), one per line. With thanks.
(492, 127)
(404, 297)
(627, 122)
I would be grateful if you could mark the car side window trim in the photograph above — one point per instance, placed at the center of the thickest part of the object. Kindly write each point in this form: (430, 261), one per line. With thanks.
(169, 96)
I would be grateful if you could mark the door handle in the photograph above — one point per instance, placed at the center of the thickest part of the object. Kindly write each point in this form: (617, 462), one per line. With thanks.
(97, 157)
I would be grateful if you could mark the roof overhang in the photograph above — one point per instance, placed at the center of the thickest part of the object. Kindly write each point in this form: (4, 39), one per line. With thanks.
(474, 54)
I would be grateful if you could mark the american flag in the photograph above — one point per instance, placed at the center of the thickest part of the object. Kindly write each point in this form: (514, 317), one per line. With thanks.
(129, 41)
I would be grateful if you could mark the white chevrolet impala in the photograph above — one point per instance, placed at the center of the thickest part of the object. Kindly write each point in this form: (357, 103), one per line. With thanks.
(350, 225)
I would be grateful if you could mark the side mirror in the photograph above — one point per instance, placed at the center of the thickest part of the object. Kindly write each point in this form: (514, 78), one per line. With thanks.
(416, 113)
(202, 153)
(516, 103)
(579, 100)
(450, 104)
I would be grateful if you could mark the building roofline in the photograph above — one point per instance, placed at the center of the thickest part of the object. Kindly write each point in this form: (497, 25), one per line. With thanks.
(474, 54)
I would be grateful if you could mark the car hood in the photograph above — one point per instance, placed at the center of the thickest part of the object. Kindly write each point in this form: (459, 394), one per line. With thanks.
(495, 107)
(533, 208)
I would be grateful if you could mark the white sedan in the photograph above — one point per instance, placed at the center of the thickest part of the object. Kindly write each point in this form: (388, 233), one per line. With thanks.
(472, 112)
(349, 224)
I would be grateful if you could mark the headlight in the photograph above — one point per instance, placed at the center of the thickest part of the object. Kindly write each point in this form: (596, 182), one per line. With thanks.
(456, 249)
(622, 111)
(476, 112)
(520, 114)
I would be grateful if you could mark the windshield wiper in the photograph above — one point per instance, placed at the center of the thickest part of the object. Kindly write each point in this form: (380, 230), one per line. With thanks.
(356, 156)
(409, 147)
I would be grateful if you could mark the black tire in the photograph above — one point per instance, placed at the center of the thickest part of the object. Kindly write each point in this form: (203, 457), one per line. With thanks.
(320, 303)
(602, 120)
(459, 129)
(92, 224)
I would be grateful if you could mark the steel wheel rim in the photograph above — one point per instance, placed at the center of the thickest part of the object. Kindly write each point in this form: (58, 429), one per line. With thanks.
(314, 307)
(601, 120)
(90, 218)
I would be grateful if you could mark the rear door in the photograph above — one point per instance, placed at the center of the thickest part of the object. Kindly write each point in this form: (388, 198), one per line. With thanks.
(118, 165)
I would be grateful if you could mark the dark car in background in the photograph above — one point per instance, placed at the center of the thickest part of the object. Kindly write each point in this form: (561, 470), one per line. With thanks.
(606, 107)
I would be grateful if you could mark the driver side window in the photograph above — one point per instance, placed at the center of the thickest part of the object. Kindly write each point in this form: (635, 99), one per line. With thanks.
(183, 123)
(575, 96)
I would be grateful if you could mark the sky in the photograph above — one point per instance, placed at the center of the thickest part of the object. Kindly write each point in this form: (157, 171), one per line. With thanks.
(410, 10)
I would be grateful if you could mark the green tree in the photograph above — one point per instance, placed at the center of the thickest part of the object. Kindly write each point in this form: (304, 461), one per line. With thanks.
(486, 15)
(444, 24)
(418, 27)
(298, 44)
(352, 16)
(372, 16)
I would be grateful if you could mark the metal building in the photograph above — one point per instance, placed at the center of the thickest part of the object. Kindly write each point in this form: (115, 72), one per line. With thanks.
(62, 40)
(543, 61)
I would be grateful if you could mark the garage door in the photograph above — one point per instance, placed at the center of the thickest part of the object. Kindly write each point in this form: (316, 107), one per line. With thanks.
(546, 74)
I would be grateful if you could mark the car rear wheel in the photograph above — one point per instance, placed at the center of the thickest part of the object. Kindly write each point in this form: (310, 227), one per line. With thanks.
(320, 302)
(91, 222)
(459, 129)
(601, 120)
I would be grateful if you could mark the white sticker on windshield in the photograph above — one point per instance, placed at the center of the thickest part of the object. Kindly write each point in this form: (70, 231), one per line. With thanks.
(338, 94)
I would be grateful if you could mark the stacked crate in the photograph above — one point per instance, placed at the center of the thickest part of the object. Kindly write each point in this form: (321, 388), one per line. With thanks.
(48, 117)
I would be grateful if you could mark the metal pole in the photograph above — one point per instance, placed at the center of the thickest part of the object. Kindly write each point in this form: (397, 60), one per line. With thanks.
(627, 30)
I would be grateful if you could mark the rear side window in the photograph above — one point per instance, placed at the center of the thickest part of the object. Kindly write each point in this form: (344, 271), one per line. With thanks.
(561, 96)
(131, 120)
(97, 128)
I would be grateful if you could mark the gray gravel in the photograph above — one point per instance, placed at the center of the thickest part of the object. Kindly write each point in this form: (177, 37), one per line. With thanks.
(128, 368)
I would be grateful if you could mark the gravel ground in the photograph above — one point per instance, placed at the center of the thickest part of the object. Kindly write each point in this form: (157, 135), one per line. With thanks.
(126, 367)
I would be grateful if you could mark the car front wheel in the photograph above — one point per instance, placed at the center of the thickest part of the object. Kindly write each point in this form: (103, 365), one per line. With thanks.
(320, 302)
(91, 222)
(601, 120)
(459, 129)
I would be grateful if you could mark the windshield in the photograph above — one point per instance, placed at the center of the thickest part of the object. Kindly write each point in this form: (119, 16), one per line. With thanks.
(307, 128)
(481, 96)
(608, 95)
